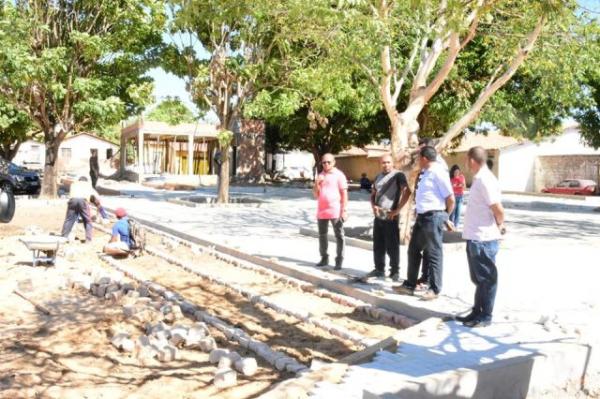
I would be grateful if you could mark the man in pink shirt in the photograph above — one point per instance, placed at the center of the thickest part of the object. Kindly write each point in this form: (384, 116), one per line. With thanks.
(331, 191)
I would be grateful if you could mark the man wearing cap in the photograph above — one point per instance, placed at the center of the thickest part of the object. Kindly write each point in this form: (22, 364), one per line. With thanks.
(435, 200)
(120, 240)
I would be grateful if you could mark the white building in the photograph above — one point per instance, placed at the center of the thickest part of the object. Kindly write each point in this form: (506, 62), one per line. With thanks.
(530, 166)
(73, 154)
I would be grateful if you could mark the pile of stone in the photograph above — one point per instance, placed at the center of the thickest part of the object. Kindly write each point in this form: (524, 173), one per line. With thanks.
(229, 364)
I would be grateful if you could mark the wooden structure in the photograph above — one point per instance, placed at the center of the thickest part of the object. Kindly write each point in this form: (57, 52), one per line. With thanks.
(184, 149)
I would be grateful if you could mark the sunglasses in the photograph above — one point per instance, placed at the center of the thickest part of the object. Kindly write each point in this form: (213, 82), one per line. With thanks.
(326, 162)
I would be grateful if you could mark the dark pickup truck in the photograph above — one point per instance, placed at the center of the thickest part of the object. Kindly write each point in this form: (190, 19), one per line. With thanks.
(7, 196)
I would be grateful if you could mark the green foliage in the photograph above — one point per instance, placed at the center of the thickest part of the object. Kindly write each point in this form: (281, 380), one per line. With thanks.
(78, 65)
(225, 137)
(172, 111)
(15, 127)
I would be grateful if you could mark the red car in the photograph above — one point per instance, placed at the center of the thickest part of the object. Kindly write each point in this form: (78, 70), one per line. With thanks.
(573, 187)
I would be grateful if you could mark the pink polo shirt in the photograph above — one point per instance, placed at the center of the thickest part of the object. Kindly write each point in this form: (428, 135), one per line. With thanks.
(330, 195)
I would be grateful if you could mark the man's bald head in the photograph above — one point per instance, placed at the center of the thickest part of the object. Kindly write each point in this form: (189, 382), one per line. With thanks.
(478, 155)
(387, 163)
(327, 162)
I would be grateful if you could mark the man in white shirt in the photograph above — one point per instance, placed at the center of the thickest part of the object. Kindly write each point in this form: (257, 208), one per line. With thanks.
(80, 193)
(483, 227)
(434, 200)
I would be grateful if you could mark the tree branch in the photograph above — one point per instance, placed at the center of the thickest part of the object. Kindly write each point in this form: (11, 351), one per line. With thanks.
(493, 87)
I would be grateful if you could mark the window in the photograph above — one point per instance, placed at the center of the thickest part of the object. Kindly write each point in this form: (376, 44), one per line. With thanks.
(109, 153)
(573, 183)
(65, 153)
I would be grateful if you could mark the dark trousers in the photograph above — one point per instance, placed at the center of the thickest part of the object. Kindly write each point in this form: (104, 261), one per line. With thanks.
(427, 238)
(94, 177)
(386, 240)
(338, 230)
(75, 208)
(481, 256)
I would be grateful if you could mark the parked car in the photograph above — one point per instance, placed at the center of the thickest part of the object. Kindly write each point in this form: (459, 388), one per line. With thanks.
(26, 181)
(573, 187)
(7, 196)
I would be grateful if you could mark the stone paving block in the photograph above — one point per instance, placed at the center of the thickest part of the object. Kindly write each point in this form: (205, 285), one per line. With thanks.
(114, 296)
(118, 339)
(113, 287)
(178, 336)
(143, 291)
(168, 353)
(133, 294)
(103, 281)
(216, 355)
(225, 378)
(194, 336)
(127, 287)
(130, 310)
(207, 344)
(247, 366)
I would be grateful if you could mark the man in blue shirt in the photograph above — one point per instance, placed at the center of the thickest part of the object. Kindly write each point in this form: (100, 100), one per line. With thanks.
(435, 200)
(120, 240)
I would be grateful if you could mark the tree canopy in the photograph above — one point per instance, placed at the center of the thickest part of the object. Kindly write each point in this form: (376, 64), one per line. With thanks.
(77, 65)
(172, 111)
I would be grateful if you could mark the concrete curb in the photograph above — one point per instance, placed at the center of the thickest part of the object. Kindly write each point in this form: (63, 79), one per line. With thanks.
(415, 312)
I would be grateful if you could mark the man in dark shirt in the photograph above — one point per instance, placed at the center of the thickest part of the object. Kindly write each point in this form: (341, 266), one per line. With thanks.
(390, 193)
(94, 167)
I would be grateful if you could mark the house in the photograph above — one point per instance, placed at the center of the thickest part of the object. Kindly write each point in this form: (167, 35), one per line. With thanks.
(492, 141)
(189, 149)
(73, 154)
(356, 161)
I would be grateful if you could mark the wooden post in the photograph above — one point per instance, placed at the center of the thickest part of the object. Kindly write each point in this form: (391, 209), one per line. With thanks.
(190, 154)
(140, 154)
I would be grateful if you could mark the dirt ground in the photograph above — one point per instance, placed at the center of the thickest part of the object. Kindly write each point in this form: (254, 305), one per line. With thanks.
(68, 354)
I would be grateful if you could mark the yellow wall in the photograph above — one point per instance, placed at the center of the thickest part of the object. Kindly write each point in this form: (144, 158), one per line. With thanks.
(459, 159)
(354, 167)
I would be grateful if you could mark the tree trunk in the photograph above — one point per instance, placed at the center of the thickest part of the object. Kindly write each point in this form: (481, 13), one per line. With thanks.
(49, 188)
(223, 190)
(9, 151)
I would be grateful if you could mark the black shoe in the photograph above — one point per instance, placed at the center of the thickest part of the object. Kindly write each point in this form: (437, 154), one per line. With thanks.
(338, 264)
(374, 273)
(469, 317)
(323, 262)
(476, 323)
(395, 276)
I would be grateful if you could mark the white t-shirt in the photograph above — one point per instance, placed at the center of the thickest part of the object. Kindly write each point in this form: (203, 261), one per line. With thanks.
(434, 187)
(479, 223)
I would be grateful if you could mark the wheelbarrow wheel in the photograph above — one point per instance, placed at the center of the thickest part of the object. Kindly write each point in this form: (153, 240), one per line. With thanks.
(7, 203)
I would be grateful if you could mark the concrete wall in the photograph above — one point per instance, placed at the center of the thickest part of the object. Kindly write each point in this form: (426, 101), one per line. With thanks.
(31, 155)
(551, 169)
(79, 149)
(354, 167)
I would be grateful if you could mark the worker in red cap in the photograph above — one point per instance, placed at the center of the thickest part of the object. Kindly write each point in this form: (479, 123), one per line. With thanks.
(120, 239)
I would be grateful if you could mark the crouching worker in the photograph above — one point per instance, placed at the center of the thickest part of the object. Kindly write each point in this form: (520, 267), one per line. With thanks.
(120, 239)
(81, 192)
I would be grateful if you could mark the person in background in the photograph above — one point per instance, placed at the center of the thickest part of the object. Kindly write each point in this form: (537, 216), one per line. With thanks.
(94, 167)
(458, 186)
(483, 228)
(365, 183)
(331, 192)
(434, 201)
(120, 239)
(390, 194)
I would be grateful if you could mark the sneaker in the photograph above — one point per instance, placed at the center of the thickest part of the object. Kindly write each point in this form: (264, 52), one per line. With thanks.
(403, 290)
(374, 273)
(429, 295)
(323, 262)
(477, 323)
(394, 276)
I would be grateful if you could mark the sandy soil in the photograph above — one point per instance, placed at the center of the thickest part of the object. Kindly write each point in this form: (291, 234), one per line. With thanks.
(68, 354)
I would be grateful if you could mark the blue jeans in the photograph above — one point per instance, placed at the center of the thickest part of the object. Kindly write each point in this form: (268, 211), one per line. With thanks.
(455, 215)
(426, 240)
(481, 256)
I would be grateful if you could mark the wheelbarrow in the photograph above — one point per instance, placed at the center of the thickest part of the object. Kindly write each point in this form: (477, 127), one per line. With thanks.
(43, 247)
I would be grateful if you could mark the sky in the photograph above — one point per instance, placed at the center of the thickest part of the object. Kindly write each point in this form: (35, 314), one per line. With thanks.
(167, 84)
